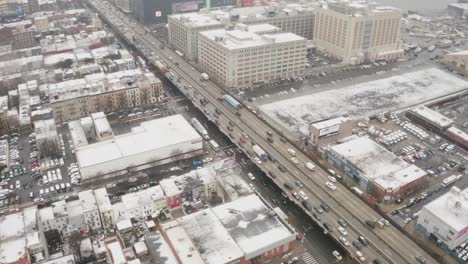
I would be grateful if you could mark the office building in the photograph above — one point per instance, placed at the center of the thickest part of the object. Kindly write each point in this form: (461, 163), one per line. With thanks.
(184, 28)
(446, 218)
(246, 55)
(329, 131)
(356, 31)
(379, 172)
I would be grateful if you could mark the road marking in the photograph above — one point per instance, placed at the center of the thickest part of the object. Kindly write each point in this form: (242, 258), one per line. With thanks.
(309, 259)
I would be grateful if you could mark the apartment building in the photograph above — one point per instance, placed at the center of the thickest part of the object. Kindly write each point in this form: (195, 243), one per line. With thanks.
(90, 209)
(24, 37)
(104, 207)
(184, 28)
(4, 124)
(243, 56)
(99, 92)
(457, 61)
(358, 31)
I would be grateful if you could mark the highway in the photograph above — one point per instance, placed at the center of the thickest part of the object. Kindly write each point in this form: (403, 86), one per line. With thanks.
(387, 244)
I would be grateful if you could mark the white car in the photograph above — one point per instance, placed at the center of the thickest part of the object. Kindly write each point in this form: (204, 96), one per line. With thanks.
(344, 241)
(250, 175)
(258, 160)
(360, 256)
(331, 186)
(18, 184)
(295, 160)
(332, 179)
(207, 160)
(303, 195)
(252, 187)
(337, 255)
(342, 231)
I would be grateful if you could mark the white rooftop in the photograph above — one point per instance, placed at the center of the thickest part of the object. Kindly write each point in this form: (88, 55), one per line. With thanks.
(191, 180)
(249, 224)
(116, 252)
(143, 197)
(77, 133)
(140, 247)
(12, 240)
(68, 259)
(87, 200)
(432, 116)
(102, 200)
(45, 129)
(241, 39)
(377, 163)
(451, 208)
(330, 122)
(209, 236)
(460, 133)
(124, 224)
(159, 249)
(153, 135)
(181, 242)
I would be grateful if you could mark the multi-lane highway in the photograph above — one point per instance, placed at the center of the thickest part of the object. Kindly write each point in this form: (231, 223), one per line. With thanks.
(387, 244)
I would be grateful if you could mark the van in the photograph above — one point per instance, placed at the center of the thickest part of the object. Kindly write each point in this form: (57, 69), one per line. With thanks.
(292, 152)
(310, 166)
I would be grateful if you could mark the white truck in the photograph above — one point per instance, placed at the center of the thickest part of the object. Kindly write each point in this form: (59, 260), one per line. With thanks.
(204, 77)
(200, 128)
(260, 152)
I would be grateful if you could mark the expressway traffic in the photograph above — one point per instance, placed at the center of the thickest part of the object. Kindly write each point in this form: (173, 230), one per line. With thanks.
(386, 244)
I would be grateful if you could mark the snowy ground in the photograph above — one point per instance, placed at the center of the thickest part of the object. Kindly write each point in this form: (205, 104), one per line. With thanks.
(377, 96)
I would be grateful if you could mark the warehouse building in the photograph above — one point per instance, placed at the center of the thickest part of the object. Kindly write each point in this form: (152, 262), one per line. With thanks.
(457, 60)
(329, 131)
(246, 55)
(458, 136)
(445, 219)
(184, 28)
(242, 231)
(358, 31)
(378, 171)
(152, 143)
(430, 119)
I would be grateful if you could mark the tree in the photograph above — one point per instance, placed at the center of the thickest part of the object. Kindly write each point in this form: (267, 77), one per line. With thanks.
(74, 243)
(49, 148)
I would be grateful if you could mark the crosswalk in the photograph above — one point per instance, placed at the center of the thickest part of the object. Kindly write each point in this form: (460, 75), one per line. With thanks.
(309, 259)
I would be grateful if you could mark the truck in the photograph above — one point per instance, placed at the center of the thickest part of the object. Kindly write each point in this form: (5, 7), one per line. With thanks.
(197, 163)
(450, 180)
(260, 152)
(233, 102)
(200, 128)
(179, 53)
(161, 66)
(204, 77)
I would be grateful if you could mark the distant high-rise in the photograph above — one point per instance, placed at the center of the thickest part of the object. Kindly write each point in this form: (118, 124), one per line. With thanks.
(156, 12)
(359, 31)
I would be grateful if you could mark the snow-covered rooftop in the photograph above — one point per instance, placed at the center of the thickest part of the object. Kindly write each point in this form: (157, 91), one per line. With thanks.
(87, 200)
(432, 116)
(458, 132)
(210, 237)
(124, 225)
(377, 163)
(154, 134)
(143, 197)
(45, 129)
(159, 249)
(116, 252)
(363, 99)
(12, 240)
(140, 247)
(191, 180)
(241, 39)
(248, 222)
(59, 208)
(451, 208)
(181, 242)
(77, 133)
(102, 200)
(330, 122)
(68, 259)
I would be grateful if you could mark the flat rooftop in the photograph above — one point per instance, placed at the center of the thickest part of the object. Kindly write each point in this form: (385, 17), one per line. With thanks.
(330, 122)
(432, 116)
(181, 242)
(152, 135)
(210, 237)
(191, 180)
(87, 200)
(12, 240)
(143, 197)
(451, 208)
(102, 199)
(241, 39)
(377, 163)
(373, 96)
(159, 249)
(248, 222)
(45, 129)
(77, 133)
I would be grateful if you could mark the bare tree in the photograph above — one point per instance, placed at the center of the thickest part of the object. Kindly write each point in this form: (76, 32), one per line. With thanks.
(74, 243)
(49, 148)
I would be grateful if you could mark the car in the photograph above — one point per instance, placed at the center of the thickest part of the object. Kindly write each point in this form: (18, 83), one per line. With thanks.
(283, 140)
(270, 139)
(342, 222)
(287, 185)
(385, 221)
(271, 174)
(258, 160)
(363, 240)
(306, 205)
(269, 133)
(292, 152)
(250, 175)
(357, 245)
(325, 207)
(331, 186)
(303, 195)
(337, 255)
(360, 256)
(296, 196)
(332, 179)
(344, 241)
(299, 184)
(294, 160)
(342, 231)
(18, 184)
(328, 227)
(298, 236)
(281, 168)
(370, 223)
(420, 259)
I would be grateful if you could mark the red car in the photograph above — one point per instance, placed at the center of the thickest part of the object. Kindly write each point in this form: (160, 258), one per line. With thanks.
(242, 139)
(298, 236)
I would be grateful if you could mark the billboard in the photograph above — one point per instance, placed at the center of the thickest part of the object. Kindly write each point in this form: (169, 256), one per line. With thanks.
(157, 13)
(329, 130)
(220, 3)
(184, 7)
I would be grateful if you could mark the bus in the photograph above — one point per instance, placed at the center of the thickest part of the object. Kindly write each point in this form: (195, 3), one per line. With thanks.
(450, 180)
(214, 146)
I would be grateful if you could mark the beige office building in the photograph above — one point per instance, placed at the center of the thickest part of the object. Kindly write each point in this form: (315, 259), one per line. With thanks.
(248, 55)
(184, 28)
(74, 99)
(358, 31)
